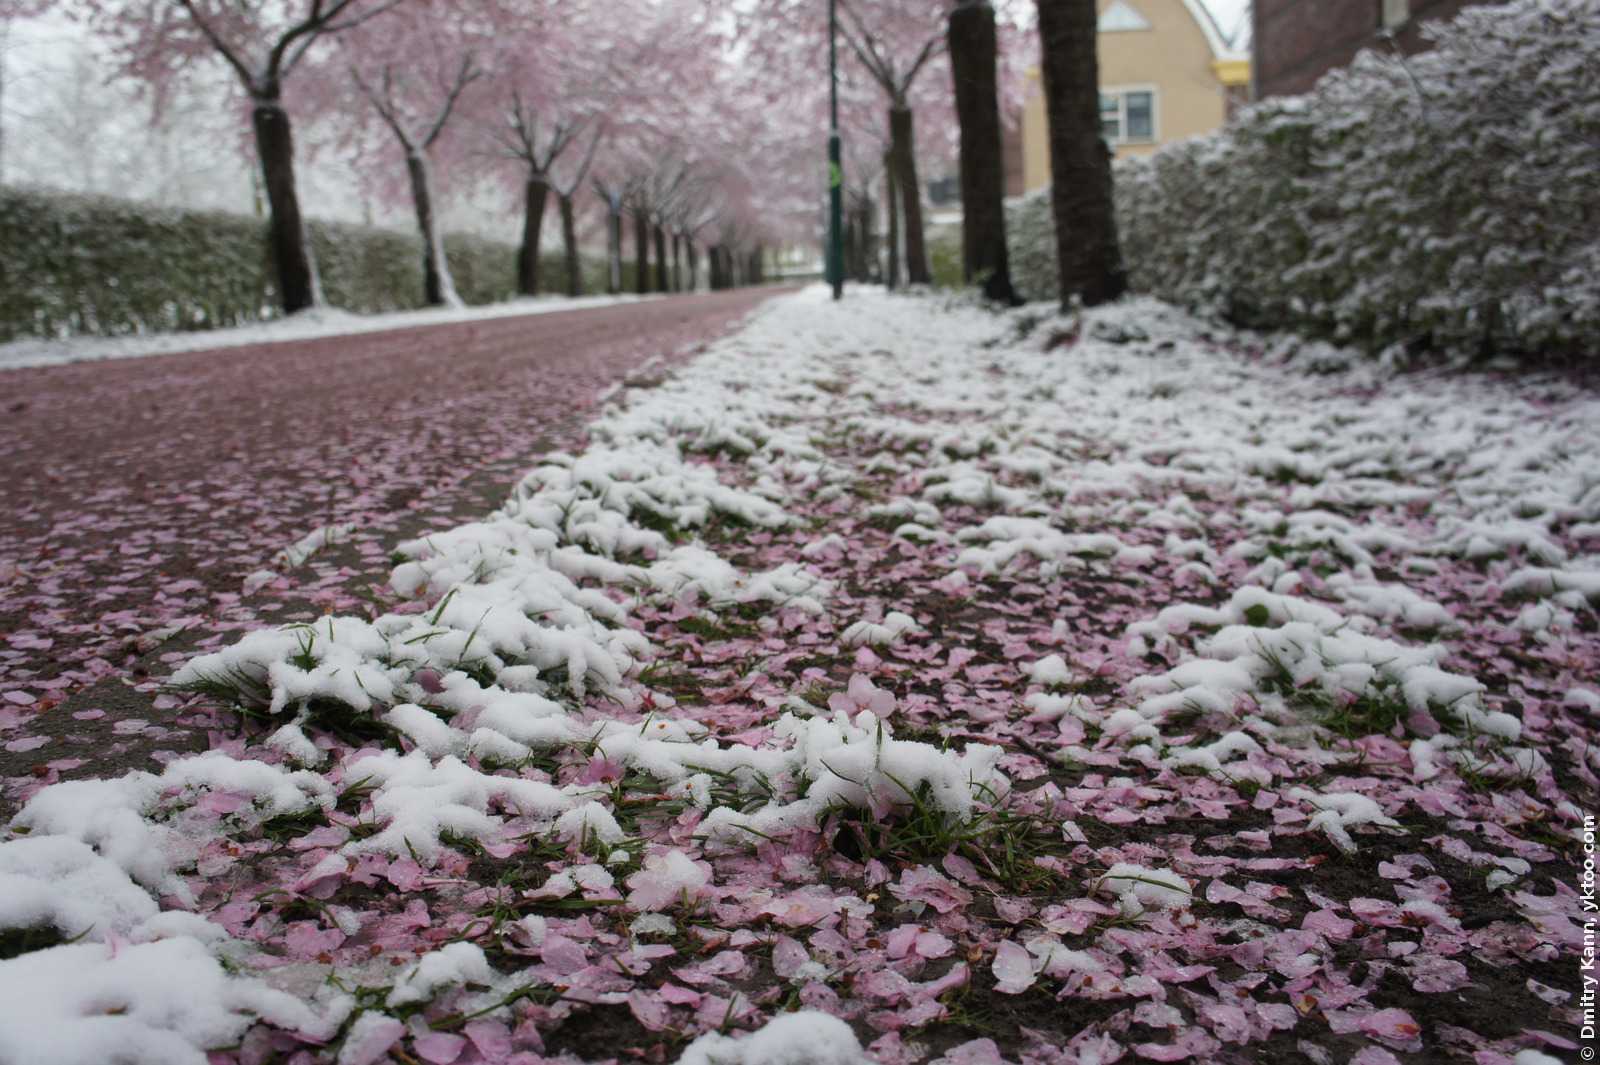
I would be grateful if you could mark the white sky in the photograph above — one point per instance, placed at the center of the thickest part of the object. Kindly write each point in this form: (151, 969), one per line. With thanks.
(1230, 14)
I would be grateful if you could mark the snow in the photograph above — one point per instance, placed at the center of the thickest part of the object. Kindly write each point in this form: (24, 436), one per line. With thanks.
(1138, 889)
(669, 878)
(161, 1003)
(58, 882)
(805, 1037)
(449, 966)
(668, 680)
(315, 324)
(1338, 812)
(1051, 671)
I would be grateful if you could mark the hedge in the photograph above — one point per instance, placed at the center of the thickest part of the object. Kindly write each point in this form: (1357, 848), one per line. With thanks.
(91, 265)
(1447, 202)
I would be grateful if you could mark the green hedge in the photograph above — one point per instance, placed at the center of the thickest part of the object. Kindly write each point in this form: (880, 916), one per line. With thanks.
(75, 265)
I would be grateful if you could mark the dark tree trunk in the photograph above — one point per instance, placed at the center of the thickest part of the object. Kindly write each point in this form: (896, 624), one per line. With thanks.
(677, 262)
(720, 268)
(569, 243)
(983, 183)
(903, 145)
(892, 200)
(535, 195)
(641, 253)
(694, 263)
(291, 252)
(869, 239)
(852, 246)
(661, 259)
(437, 288)
(864, 240)
(1080, 162)
(613, 249)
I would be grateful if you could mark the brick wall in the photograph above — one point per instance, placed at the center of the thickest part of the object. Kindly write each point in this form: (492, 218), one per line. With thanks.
(1297, 41)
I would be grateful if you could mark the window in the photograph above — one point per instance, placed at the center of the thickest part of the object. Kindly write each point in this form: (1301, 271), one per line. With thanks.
(1392, 14)
(1128, 116)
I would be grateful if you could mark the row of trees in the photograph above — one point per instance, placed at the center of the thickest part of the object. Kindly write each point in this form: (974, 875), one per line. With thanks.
(954, 66)
(699, 125)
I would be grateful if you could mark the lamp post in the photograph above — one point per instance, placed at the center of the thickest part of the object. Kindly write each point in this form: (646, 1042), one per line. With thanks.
(835, 160)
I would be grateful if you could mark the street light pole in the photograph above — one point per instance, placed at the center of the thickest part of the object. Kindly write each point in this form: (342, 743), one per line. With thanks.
(835, 160)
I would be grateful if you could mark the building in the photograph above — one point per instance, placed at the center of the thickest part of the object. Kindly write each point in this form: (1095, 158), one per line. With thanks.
(1295, 42)
(1166, 73)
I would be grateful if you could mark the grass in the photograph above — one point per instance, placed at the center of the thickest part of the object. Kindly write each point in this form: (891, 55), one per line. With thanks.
(233, 686)
(1002, 842)
(15, 942)
(1346, 714)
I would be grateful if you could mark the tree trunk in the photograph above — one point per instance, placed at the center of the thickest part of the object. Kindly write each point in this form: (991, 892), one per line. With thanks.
(641, 253)
(677, 262)
(903, 144)
(661, 259)
(869, 240)
(569, 242)
(694, 264)
(852, 262)
(973, 62)
(891, 279)
(1080, 162)
(536, 195)
(613, 248)
(438, 287)
(291, 250)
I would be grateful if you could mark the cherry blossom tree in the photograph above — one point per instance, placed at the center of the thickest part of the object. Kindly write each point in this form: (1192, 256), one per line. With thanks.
(547, 90)
(263, 43)
(895, 45)
(566, 181)
(896, 42)
(10, 10)
(415, 69)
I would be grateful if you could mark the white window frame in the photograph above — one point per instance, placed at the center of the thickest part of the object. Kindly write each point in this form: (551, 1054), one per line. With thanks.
(1121, 93)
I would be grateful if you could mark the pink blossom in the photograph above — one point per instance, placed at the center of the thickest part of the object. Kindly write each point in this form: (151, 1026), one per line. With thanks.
(926, 885)
(862, 694)
(438, 1048)
(1013, 968)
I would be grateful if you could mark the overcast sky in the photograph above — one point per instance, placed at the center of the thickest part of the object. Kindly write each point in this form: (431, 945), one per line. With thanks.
(1228, 13)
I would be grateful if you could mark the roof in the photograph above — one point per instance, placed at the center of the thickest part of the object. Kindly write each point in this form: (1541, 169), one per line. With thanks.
(1220, 49)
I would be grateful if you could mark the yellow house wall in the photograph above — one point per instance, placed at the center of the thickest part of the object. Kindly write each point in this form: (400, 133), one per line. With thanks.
(1172, 56)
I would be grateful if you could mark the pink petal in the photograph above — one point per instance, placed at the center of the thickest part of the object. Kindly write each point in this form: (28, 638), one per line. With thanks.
(679, 996)
(491, 1038)
(1013, 969)
(440, 1048)
(648, 1010)
(788, 956)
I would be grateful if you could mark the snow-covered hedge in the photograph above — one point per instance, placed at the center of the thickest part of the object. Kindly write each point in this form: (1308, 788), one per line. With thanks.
(87, 265)
(1449, 201)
